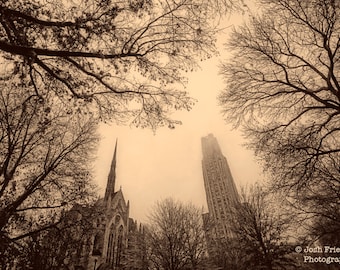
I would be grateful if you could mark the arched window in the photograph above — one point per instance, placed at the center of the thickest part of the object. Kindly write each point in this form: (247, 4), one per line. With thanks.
(119, 245)
(111, 246)
(98, 243)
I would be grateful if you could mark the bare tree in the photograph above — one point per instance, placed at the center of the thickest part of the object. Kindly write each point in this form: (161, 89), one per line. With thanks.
(283, 88)
(175, 236)
(44, 162)
(261, 232)
(124, 60)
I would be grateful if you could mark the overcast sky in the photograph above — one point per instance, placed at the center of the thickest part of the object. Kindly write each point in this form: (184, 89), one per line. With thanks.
(152, 167)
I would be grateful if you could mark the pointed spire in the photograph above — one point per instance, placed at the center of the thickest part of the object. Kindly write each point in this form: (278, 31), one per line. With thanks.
(111, 180)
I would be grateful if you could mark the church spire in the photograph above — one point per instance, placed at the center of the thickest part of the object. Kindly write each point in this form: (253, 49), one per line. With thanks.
(111, 180)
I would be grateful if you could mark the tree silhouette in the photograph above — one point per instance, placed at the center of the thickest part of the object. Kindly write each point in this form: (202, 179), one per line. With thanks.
(175, 236)
(44, 162)
(261, 232)
(124, 60)
(283, 88)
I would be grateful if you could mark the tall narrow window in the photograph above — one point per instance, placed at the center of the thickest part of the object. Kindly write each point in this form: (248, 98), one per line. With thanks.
(119, 246)
(111, 246)
(98, 244)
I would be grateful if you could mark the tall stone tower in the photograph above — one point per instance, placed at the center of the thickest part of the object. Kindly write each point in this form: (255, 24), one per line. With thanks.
(221, 192)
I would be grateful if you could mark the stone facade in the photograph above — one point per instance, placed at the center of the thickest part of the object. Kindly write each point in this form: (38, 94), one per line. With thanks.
(108, 246)
(221, 192)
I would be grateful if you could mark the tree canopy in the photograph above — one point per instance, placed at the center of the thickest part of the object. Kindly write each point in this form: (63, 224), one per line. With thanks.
(44, 162)
(283, 88)
(122, 60)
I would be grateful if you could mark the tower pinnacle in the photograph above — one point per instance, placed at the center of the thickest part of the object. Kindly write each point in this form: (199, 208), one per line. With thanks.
(111, 180)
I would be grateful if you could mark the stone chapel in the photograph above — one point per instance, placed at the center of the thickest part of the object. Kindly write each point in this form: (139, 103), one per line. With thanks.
(114, 234)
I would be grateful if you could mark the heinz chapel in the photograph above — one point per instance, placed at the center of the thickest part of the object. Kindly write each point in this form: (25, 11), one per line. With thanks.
(113, 243)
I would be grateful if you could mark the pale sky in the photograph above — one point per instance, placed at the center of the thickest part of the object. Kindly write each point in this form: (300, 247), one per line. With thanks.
(152, 167)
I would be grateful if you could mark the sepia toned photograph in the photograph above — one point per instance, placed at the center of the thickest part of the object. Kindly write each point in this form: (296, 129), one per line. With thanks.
(169, 134)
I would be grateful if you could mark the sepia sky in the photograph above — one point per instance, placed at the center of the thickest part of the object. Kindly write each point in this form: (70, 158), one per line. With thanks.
(154, 166)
